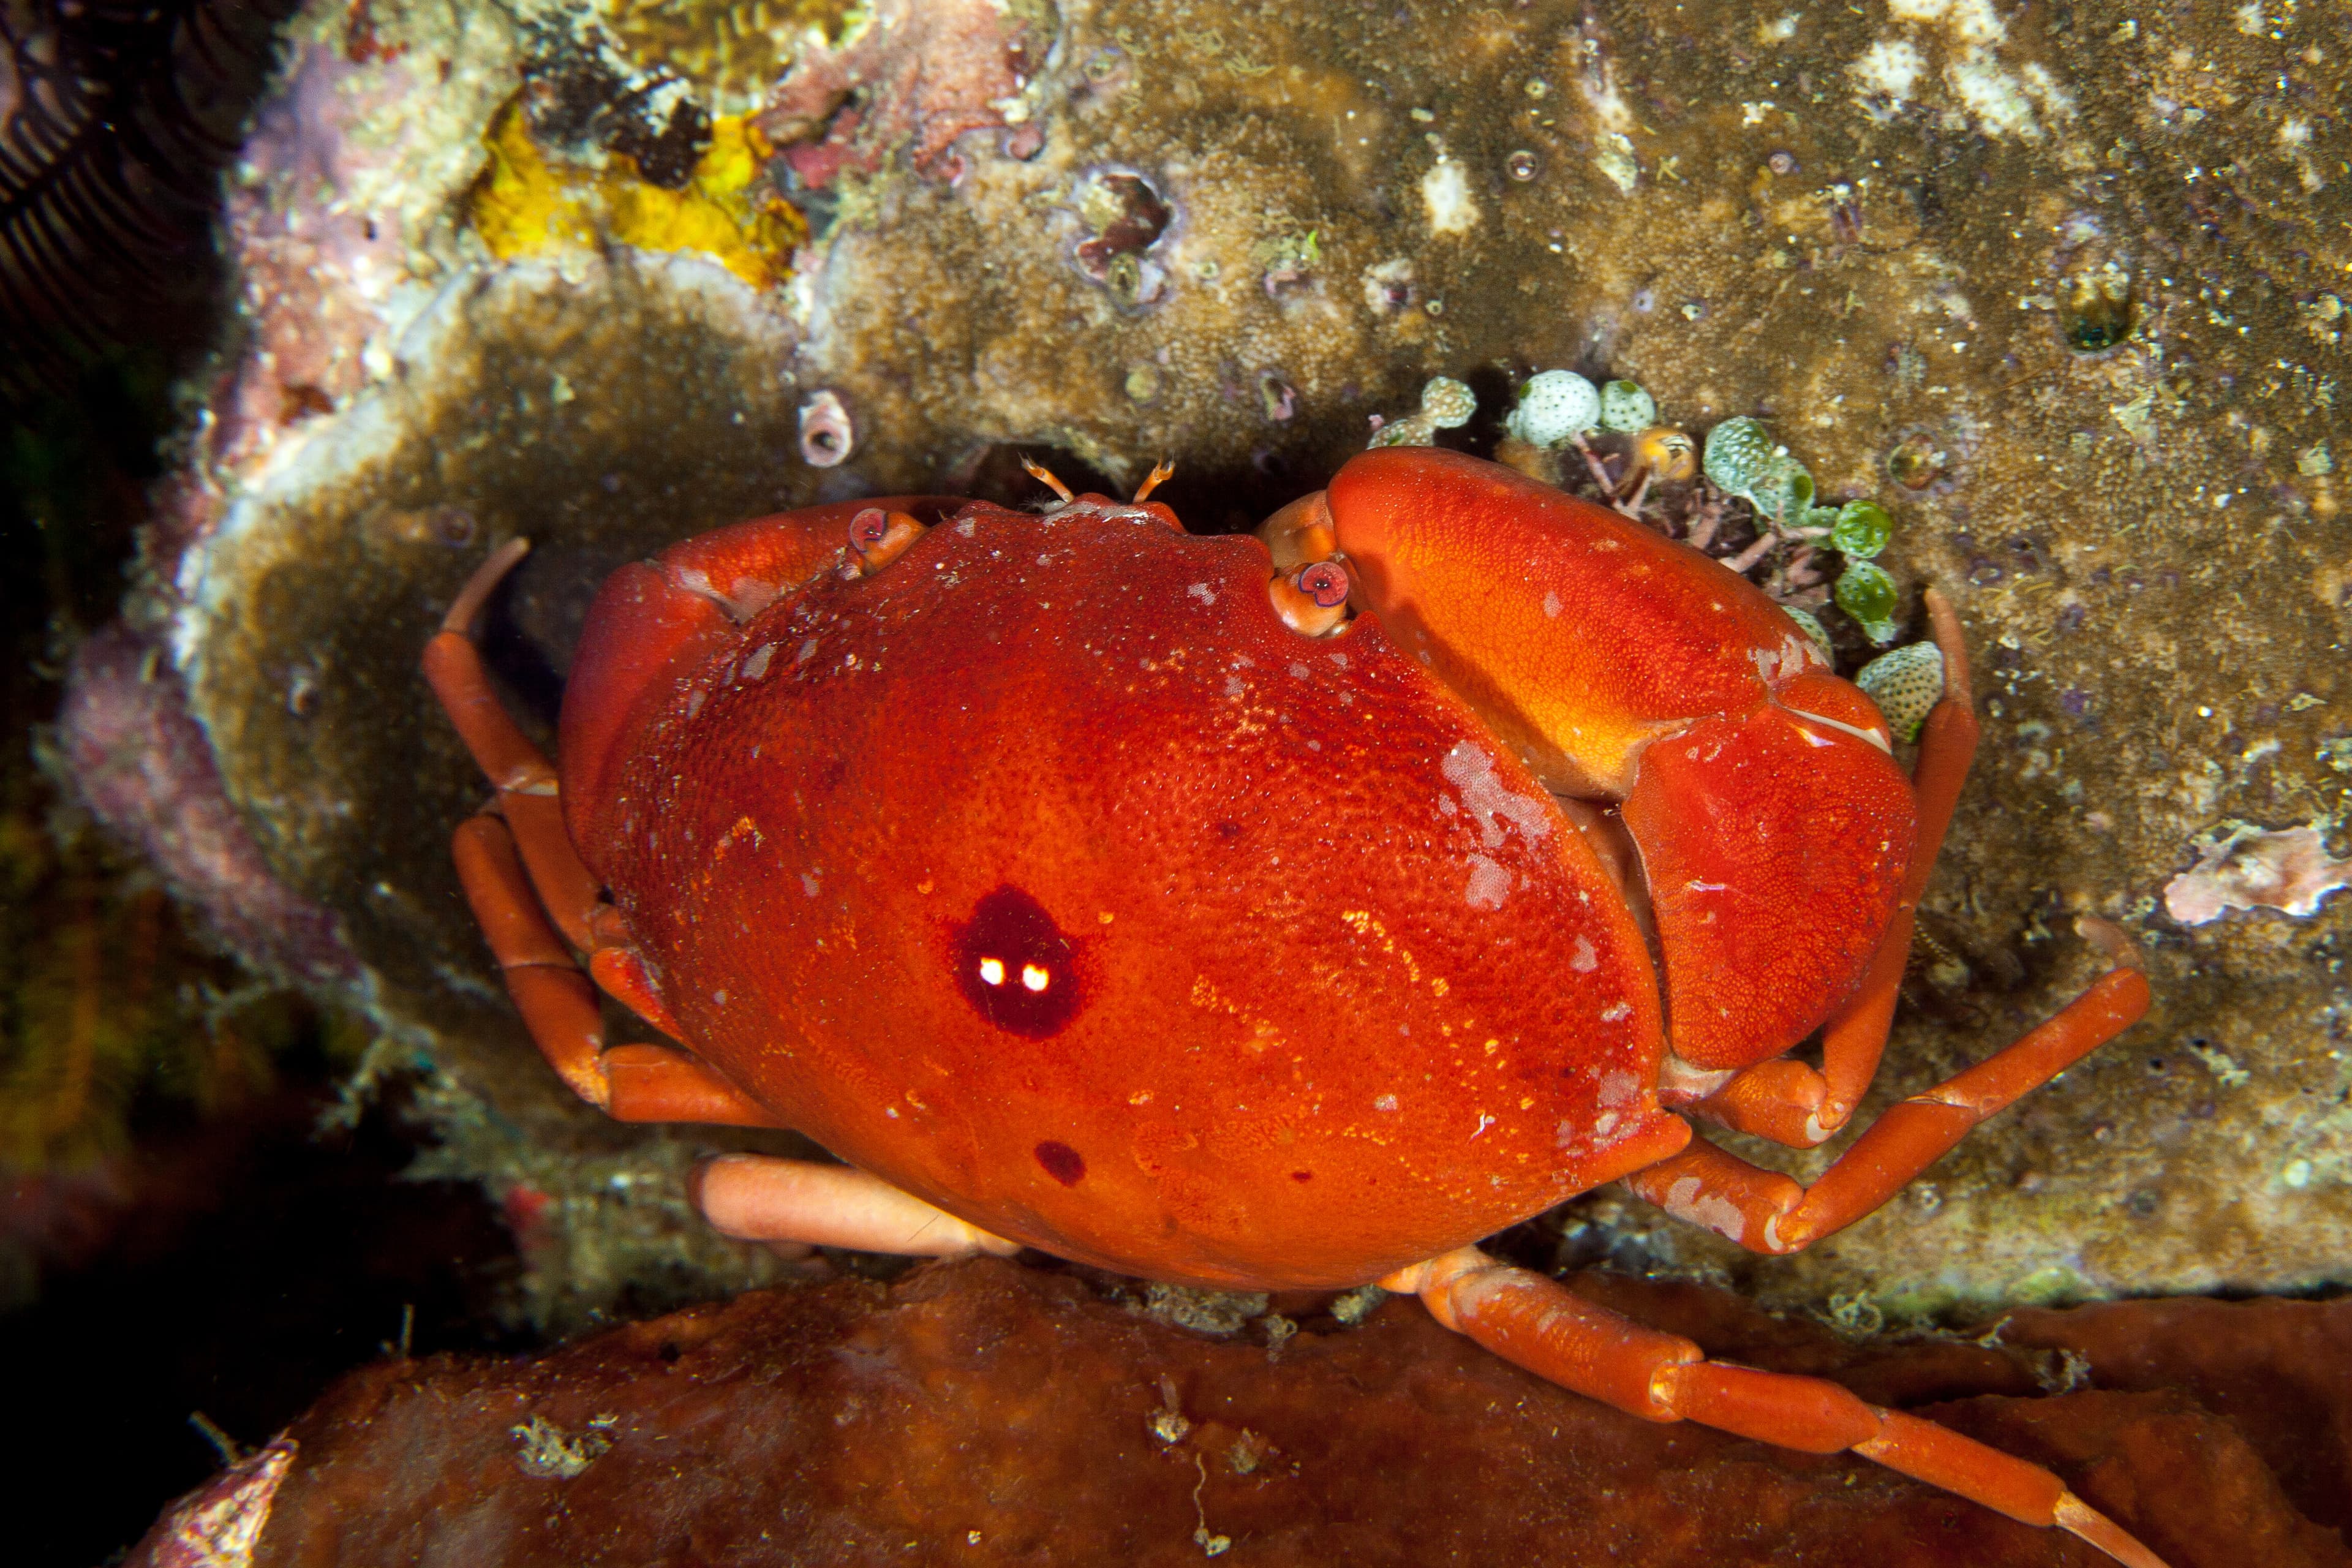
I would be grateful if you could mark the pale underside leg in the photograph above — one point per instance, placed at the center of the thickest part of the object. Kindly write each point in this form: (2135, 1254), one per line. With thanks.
(794, 1205)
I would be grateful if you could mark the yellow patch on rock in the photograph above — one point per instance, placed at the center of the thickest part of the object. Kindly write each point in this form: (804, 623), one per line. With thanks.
(525, 202)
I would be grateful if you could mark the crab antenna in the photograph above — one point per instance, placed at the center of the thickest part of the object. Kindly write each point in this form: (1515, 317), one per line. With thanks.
(1045, 476)
(1161, 472)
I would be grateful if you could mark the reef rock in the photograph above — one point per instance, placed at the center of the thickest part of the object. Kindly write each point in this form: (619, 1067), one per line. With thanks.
(2062, 289)
(987, 1413)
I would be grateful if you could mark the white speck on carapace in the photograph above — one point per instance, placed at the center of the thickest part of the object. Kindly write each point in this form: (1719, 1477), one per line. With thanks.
(1871, 736)
(756, 666)
(1384, 1102)
(1298, 670)
(1233, 687)
(966, 527)
(1490, 884)
(1584, 960)
(1472, 772)
(809, 883)
(1552, 605)
(694, 703)
(1484, 1121)
(1612, 1014)
(1341, 659)
(808, 651)
(1203, 593)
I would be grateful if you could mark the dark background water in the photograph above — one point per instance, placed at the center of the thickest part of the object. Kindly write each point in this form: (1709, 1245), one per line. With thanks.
(190, 1221)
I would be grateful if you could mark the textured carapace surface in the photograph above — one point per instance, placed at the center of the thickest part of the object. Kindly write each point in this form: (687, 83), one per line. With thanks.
(1773, 825)
(1046, 874)
(655, 623)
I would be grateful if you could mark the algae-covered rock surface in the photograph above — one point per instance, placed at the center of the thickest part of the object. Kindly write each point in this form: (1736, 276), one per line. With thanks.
(2062, 289)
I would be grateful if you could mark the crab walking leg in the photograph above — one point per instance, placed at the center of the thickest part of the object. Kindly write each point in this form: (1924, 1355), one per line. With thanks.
(1765, 1211)
(755, 1198)
(558, 1002)
(1537, 1323)
(524, 778)
(1788, 1101)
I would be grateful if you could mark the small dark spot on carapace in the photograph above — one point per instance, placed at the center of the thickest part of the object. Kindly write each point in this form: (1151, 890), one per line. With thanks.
(1229, 831)
(1016, 968)
(1302, 1175)
(1062, 1163)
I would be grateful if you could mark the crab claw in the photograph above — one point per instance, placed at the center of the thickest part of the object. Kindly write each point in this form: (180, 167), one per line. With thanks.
(1772, 823)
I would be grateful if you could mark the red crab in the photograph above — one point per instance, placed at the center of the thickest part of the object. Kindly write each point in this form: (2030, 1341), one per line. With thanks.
(1091, 886)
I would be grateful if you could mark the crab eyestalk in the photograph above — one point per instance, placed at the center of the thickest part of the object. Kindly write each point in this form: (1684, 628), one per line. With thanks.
(880, 537)
(1313, 600)
(1300, 532)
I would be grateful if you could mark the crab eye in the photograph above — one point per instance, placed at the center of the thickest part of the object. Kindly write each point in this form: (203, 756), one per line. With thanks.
(1325, 581)
(868, 529)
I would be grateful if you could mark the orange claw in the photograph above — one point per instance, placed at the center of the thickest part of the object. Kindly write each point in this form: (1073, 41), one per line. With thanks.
(1540, 1324)
(1773, 824)
(1787, 1102)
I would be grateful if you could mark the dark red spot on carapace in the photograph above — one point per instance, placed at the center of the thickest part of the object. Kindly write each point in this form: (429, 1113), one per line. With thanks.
(1016, 968)
(1062, 1163)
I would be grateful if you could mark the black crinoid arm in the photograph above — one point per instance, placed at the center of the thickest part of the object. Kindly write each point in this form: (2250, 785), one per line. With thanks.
(116, 118)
